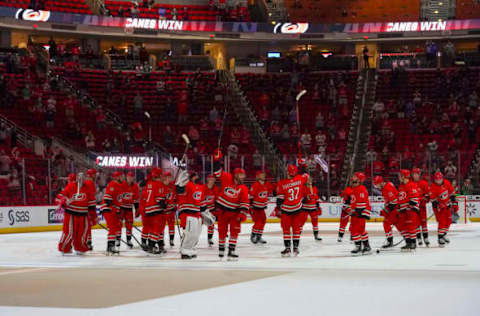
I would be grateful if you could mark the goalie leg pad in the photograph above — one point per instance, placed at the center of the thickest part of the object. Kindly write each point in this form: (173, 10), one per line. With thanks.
(191, 234)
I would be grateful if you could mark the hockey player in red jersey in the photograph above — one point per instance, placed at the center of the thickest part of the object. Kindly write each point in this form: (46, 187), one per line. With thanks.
(424, 198)
(171, 200)
(191, 205)
(311, 205)
(92, 204)
(409, 203)
(443, 200)
(211, 192)
(389, 211)
(289, 202)
(344, 216)
(234, 203)
(112, 200)
(130, 200)
(155, 205)
(360, 211)
(259, 193)
(75, 198)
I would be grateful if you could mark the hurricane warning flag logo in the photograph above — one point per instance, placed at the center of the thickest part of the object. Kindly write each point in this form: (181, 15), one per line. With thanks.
(290, 28)
(32, 15)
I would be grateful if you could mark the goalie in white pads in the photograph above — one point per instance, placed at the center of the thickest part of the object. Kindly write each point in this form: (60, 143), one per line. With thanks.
(192, 212)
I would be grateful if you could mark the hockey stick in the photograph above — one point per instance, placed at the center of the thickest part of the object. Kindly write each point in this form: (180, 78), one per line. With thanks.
(220, 136)
(182, 161)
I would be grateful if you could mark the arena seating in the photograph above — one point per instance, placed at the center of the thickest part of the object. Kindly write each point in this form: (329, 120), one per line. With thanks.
(71, 6)
(467, 9)
(353, 11)
(310, 105)
(437, 87)
(193, 12)
(200, 98)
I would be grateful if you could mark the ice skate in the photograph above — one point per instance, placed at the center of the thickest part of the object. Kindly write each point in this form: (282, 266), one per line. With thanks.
(406, 248)
(254, 238)
(221, 251)
(89, 245)
(232, 256)
(187, 257)
(286, 252)
(366, 248)
(315, 236)
(111, 249)
(357, 250)
(388, 243)
(129, 242)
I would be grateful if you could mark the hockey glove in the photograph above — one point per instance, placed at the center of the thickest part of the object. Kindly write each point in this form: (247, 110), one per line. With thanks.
(92, 218)
(435, 204)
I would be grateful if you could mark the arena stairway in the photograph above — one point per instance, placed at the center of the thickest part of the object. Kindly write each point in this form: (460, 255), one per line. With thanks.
(360, 125)
(245, 115)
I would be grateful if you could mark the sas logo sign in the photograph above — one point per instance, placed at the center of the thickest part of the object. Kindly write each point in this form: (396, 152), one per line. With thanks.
(32, 15)
(18, 217)
(55, 217)
(290, 28)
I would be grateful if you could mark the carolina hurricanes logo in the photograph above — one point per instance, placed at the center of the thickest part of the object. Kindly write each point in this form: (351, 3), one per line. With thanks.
(197, 195)
(127, 196)
(353, 199)
(230, 192)
(402, 195)
(31, 15)
(444, 195)
(290, 28)
(263, 194)
(80, 197)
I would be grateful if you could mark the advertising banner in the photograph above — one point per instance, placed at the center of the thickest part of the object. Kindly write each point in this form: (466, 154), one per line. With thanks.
(288, 28)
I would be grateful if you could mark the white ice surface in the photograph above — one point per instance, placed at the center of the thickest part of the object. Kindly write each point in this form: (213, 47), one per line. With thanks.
(324, 279)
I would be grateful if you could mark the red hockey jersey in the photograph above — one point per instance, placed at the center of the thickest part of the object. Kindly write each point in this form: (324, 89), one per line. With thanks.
(232, 196)
(130, 195)
(155, 197)
(442, 193)
(112, 199)
(408, 196)
(210, 196)
(390, 194)
(75, 202)
(359, 200)
(291, 193)
(424, 191)
(311, 201)
(192, 199)
(259, 194)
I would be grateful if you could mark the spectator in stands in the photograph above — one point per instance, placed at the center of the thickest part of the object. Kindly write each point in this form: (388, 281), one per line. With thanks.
(3, 134)
(90, 141)
(467, 187)
(319, 121)
(285, 133)
(471, 130)
(257, 160)
(162, 13)
(52, 49)
(193, 134)
(450, 171)
(134, 11)
(4, 163)
(232, 151)
(174, 14)
(138, 105)
(276, 114)
(182, 106)
(306, 141)
(366, 56)
(50, 112)
(13, 182)
(213, 114)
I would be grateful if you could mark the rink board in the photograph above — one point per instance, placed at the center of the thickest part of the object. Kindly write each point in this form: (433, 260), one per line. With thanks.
(21, 219)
